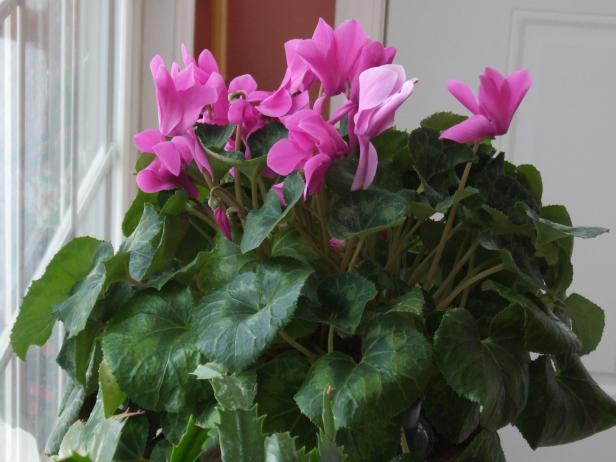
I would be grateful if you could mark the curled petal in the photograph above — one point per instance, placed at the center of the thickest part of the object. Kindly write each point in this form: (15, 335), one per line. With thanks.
(472, 129)
(145, 140)
(366, 169)
(314, 171)
(285, 157)
(463, 93)
(220, 215)
(277, 104)
(169, 156)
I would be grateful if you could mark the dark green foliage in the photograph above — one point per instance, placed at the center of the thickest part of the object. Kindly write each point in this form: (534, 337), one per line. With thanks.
(283, 346)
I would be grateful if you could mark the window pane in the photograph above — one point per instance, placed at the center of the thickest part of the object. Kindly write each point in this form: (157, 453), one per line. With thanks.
(44, 175)
(93, 78)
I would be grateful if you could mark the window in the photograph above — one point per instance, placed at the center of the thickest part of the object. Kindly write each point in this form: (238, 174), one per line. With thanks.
(60, 162)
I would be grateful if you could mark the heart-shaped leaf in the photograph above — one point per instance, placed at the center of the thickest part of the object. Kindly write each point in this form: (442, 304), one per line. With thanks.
(342, 299)
(564, 403)
(492, 371)
(239, 321)
(588, 321)
(152, 351)
(359, 213)
(394, 370)
(69, 266)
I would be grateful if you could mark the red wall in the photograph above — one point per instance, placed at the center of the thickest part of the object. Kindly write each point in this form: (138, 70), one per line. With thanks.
(257, 30)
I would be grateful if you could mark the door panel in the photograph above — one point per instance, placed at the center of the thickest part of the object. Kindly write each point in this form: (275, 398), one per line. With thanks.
(564, 127)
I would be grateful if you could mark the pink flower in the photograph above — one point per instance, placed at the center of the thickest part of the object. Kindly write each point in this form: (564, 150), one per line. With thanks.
(220, 216)
(243, 95)
(155, 177)
(499, 98)
(180, 100)
(292, 95)
(312, 145)
(331, 54)
(381, 92)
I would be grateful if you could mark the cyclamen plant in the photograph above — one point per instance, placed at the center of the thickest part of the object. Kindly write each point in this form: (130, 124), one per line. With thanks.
(298, 287)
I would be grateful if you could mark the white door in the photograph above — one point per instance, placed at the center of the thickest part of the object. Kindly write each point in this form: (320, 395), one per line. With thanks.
(565, 127)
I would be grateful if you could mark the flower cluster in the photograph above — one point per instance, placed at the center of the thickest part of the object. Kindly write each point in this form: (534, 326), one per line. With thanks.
(342, 61)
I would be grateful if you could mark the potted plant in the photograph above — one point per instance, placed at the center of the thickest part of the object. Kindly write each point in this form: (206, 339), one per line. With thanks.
(298, 287)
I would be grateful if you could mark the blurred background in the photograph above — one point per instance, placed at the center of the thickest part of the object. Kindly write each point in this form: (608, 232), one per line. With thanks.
(75, 86)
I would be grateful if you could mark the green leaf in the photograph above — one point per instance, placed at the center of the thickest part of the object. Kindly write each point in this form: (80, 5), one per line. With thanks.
(261, 222)
(531, 178)
(410, 302)
(394, 370)
(492, 371)
(211, 138)
(278, 381)
(111, 393)
(452, 416)
(544, 332)
(134, 212)
(238, 322)
(151, 349)
(442, 120)
(359, 213)
(214, 136)
(433, 159)
(261, 141)
(485, 447)
(97, 438)
(343, 297)
(564, 404)
(563, 230)
(133, 440)
(236, 391)
(75, 311)
(77, 352)
(280, 447)
(289, 243)
(35, 320)
(221, 264)
(241, 436)
(392, 146)
(74, 397)
(137, 252)
(588, 321)
(190, 446)
(371, 441)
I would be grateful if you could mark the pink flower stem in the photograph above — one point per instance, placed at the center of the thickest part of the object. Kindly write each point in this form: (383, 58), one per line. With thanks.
(449, 223)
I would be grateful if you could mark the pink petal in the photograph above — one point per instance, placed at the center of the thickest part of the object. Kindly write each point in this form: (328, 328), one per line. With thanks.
(349, 40)
(145, 140)
(220, 215)
(195, 99)
(207, 62)
(277, 104)
(150, 181)
(377, 83)
(473, 129)
(463, 93)
(170, 109)
(278, 187)
(169, 156)
(519, 83)
(285, 157)
(314, 171)
(243, 83)
(366, 169)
